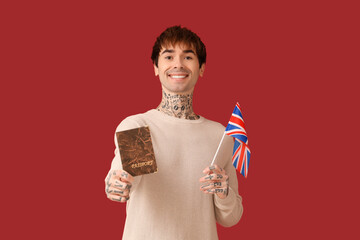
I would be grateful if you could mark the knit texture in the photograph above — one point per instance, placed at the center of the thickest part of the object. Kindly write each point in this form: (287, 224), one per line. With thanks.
(169, 204)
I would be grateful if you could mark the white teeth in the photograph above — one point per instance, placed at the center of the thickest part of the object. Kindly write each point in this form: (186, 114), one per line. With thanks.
(177, 76)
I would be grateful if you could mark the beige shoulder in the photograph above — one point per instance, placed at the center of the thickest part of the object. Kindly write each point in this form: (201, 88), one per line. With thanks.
(131, 122)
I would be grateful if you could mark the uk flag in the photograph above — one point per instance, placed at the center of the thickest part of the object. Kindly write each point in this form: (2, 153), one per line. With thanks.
(241, 152)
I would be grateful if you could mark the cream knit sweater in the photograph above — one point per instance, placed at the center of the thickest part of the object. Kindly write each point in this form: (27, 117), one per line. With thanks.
(168, 204)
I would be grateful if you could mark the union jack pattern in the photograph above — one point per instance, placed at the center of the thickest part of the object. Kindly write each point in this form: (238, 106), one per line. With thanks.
(241, 152)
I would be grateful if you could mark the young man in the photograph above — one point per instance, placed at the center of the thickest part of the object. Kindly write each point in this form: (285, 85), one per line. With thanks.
(186, 197)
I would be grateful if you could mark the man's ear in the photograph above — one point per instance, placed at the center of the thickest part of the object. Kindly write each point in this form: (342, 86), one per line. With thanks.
(156, 70)
(202, 69)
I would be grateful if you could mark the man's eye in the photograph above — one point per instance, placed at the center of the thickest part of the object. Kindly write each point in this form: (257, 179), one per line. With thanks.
(168, 57)
(188, 58)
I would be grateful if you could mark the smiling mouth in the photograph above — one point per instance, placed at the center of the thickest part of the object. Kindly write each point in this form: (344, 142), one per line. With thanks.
(178, 76)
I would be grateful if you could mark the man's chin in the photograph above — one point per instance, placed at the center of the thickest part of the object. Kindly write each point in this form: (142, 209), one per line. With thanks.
(180, 91)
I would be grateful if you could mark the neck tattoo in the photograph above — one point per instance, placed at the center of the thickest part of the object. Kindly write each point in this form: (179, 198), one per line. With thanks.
(178, 105)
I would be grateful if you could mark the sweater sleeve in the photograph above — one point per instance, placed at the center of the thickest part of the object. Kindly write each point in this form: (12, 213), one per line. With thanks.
(229, 210)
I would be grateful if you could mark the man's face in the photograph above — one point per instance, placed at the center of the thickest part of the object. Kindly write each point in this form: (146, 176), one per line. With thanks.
(178, 69)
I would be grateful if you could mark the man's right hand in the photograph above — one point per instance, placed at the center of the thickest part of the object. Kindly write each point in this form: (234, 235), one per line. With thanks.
(117, 185)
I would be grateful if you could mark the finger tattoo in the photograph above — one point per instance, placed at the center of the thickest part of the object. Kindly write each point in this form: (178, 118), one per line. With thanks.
(204, 186)
(209, 177)
(115, 199)
(118, 192)
(217, 184)
(107, 184)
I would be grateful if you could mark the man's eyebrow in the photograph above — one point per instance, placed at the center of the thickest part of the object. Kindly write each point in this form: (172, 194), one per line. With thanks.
(167, 51)
(172, 50)
(189, 51)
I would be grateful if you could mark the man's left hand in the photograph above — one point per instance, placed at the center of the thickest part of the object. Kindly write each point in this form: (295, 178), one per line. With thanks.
(215, 181)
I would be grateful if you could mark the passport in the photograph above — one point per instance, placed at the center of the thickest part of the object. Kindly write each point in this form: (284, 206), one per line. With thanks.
(136, 151)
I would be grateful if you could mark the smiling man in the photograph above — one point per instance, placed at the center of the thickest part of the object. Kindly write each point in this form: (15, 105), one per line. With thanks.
(186, 197)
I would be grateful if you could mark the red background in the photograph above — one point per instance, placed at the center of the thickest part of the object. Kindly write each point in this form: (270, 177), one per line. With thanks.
(72, 70)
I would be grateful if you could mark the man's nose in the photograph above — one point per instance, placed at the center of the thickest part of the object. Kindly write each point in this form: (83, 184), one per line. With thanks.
(178, 62)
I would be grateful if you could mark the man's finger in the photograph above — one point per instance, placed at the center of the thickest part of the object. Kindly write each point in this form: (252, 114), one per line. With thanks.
(212, 185)
(118, 192)
(125, 176)
(216, 190)
(214, 169)
(212, 177)
(118, 184)
(117, 198)
(122, 175)
(121, 185)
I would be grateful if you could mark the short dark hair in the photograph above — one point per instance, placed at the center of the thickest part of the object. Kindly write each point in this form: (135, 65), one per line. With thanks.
(178, 34)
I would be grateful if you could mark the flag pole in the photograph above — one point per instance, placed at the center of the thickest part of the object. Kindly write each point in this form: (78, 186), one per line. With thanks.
(218, 149)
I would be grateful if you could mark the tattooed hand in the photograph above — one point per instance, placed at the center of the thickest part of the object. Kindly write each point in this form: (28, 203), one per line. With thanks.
(215, 181)
(117, 185)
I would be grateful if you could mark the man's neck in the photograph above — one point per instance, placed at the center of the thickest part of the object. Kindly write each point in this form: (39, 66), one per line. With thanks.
(178, 105)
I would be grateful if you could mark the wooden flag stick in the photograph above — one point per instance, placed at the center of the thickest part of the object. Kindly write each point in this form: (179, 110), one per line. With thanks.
(218, 149)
